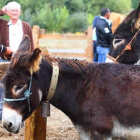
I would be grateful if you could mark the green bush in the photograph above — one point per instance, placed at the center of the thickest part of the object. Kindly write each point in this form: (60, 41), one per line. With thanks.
(75, 5)
(67, 15)
(53, 20)
(77, 22)
(27, 17)
(135, 3)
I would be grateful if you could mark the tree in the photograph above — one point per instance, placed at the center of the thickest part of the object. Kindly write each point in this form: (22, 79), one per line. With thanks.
(55, 3)
(54, 20)
(67, 15)
(77, 22)
(135, 3)
(119, 6)
(75, 5)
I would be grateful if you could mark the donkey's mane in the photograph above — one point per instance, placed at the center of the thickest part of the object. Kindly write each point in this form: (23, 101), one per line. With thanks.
(68, 64)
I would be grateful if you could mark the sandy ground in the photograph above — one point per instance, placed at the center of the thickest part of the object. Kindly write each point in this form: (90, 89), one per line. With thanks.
(59, 127)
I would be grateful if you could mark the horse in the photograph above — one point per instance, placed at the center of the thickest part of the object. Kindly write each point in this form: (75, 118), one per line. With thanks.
(102, 100)
(125, 46)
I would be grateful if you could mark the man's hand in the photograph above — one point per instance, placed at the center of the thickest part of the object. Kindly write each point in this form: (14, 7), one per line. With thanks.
(4, 9)
(8, 51)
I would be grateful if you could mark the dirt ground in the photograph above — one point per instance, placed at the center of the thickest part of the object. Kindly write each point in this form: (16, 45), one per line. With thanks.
(59, 127)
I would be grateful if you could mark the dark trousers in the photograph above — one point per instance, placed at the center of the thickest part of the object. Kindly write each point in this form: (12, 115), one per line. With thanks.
(95, 58)
(1, 91)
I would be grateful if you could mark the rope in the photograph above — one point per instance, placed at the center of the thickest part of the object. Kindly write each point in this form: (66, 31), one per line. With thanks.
(126, 48)
(14, 100)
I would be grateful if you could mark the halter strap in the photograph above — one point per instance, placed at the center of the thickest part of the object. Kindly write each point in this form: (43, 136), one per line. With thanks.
(127, 48)
(54, 80)
(27, 95)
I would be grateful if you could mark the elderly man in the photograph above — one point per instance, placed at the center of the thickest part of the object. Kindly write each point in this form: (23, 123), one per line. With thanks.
(11, 34)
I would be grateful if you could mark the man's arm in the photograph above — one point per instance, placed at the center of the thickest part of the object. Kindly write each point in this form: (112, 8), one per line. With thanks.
(5, 50)
(3, 11)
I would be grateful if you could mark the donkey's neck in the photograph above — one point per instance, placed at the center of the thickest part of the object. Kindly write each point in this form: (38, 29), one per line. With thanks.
(68, 88)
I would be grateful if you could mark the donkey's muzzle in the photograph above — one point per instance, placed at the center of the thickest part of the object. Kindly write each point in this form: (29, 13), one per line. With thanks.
(11, 120)
(10, 127)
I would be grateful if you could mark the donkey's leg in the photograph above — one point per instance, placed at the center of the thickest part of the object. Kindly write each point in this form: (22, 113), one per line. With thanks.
(109, 138)
(82, 134)
(102, 123)
(97, 136)
(1, 99)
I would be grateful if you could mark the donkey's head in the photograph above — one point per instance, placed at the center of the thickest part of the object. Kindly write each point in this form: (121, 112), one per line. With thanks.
(20, 99)
(123, 35)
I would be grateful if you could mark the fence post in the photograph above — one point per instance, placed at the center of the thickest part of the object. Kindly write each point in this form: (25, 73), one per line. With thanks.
(36, 32)
(90, 45)
(35, 125)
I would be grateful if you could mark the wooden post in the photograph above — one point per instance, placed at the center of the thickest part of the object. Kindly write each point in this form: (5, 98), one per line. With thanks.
(42, 31)
(35, 125)
(36, 31)
(90, 45)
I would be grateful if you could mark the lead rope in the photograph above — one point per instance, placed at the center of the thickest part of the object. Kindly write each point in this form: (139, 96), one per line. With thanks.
(127, 47)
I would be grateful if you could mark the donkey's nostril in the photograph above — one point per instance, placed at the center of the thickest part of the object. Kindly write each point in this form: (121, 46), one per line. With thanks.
(10, 125)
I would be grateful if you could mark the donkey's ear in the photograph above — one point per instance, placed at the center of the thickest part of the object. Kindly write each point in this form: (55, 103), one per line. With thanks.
(133, 19)
(138, 12)
(136, 20)
(35, 59)
(25, 45)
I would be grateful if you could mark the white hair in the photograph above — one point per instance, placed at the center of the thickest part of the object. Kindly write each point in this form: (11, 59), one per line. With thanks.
(13, 3)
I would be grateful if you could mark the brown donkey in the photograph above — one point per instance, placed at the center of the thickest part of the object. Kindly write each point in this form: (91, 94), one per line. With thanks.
(102, 100)
(125, 46)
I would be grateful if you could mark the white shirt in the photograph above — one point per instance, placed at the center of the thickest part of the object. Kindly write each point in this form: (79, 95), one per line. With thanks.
(15, 35)
(94, 35)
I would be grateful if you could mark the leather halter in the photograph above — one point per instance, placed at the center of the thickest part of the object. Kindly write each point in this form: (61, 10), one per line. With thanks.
(127, 48)
(54, 80)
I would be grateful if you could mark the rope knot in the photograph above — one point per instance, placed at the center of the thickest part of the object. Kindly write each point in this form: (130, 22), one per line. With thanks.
(27, 94)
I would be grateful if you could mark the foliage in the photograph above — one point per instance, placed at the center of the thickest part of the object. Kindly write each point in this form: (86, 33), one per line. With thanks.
(52, 19)
(135, 3)
(75, 5)
(119, 6)
(77, 22)
(68, 15)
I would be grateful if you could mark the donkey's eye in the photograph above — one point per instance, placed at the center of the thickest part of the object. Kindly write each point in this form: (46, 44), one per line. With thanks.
(19, 87)
(117, 41)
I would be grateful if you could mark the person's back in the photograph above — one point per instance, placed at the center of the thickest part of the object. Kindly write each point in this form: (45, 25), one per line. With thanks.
(104, 35)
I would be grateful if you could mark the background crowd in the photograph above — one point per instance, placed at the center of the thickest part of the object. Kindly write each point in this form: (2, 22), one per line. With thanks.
(68, 15)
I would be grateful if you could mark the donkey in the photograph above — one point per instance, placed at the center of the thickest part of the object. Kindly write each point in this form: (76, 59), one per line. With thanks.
(125, 46)
(102, 100)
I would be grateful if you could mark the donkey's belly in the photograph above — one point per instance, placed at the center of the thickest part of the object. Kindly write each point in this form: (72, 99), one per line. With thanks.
(119, 130)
